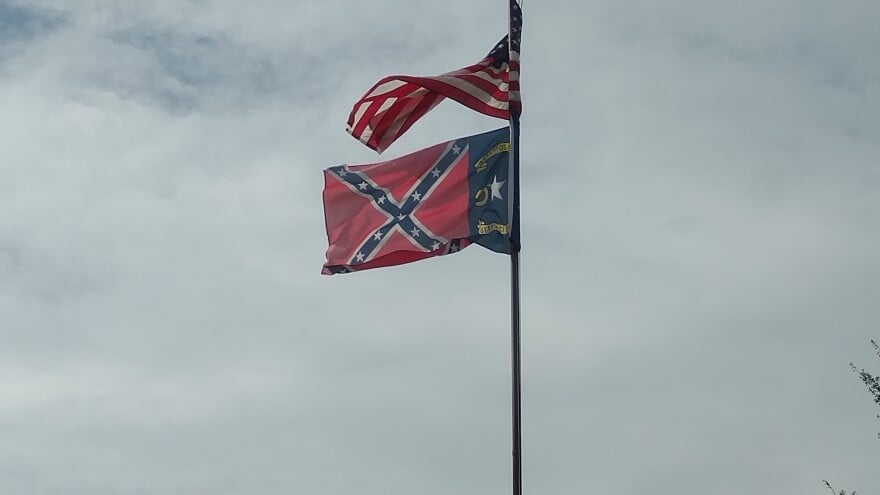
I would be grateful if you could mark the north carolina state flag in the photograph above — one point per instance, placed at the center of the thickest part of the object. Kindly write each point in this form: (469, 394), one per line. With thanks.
(429, 203)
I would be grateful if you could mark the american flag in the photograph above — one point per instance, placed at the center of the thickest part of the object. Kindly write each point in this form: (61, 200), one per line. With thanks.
(395, 103)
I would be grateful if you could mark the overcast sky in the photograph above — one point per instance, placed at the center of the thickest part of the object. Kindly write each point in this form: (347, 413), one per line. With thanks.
(701, 228)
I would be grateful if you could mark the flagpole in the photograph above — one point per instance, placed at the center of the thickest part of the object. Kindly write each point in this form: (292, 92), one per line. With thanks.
(515, 288)
(515, 313)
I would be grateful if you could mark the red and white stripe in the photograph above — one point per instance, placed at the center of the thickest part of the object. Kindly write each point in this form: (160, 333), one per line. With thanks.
(395, 103)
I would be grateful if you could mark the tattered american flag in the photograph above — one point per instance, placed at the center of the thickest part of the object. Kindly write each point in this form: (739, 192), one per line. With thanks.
(395, 103)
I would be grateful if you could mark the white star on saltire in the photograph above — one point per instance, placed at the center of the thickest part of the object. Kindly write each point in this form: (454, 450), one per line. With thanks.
(456, 149)
(381, 200)
(359, 257)
(496, 187)
(435, 173)
(417, 196)
(362, 186)
(378, 235)
(435, 246)
(400, 217)
(454, 248)
(415, 232)
(343, 173)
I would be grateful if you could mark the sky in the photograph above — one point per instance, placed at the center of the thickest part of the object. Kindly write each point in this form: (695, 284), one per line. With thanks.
(701, 230)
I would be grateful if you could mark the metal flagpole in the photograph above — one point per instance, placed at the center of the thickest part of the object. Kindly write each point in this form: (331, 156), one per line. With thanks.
(515, 284)
(515, 310)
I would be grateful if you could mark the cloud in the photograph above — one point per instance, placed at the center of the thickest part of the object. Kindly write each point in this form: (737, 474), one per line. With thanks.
(699, 206)
(21, 23)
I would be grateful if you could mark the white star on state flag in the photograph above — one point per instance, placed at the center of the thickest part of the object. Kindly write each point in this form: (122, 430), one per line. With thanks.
(496, 187)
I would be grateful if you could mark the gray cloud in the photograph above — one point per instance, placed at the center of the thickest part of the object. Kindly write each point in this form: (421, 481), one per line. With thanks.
(21, 23)
(700, 218)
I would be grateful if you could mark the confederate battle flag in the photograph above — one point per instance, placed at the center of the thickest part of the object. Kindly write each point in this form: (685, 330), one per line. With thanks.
(429, 203)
